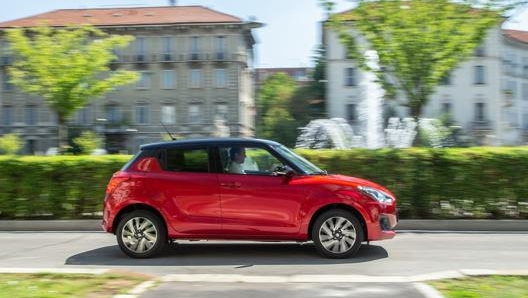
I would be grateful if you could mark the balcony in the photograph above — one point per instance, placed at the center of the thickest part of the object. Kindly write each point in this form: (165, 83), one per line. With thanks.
(140, 58)
(220, 56)
(167, 57)
(481, 125)
(196, 57)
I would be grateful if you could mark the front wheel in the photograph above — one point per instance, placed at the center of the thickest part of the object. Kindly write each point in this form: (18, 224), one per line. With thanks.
(337, 234)
(141, 234)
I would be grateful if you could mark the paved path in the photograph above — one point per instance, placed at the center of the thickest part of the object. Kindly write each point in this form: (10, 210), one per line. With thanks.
(393, 268)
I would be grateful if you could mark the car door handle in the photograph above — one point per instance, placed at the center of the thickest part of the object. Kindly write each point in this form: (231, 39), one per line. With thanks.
(231, 184)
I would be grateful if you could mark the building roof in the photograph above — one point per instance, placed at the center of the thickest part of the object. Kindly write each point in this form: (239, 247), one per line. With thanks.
(124, 17)
(518, 35)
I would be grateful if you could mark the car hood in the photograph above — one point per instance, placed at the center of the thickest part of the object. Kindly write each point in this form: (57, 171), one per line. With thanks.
(343, 180)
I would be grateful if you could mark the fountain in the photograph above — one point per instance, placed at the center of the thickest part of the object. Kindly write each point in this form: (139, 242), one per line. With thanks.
(400, 133)
(370, 108)
(337, 133)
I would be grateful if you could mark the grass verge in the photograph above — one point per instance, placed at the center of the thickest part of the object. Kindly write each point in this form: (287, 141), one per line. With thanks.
(492, 286)
(52, 285)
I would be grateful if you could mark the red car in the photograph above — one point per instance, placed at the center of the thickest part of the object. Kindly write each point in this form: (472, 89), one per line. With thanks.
(241, 189)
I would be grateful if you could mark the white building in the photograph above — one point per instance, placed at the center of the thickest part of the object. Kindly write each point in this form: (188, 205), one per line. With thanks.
(487, 96)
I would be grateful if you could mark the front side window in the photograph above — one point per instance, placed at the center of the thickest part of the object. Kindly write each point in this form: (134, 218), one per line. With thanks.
(248, 160)
(194, 160)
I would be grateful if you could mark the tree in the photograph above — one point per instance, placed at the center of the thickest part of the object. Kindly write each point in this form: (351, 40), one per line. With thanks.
(67, 67)
(309, 101)
(272, 104)
(418, 42)
(10, 144)
(88, 141)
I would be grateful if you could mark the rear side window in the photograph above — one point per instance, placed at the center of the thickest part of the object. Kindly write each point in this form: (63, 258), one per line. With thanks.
(187, 160)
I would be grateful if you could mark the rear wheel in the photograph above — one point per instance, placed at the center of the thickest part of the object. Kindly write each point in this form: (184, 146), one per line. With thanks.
(337, 234)
(141, 234)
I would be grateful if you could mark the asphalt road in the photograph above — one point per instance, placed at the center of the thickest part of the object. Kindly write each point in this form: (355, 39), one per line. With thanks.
(248, 269)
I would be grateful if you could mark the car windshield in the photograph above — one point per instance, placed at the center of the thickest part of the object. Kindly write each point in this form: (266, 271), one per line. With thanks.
(306, 166)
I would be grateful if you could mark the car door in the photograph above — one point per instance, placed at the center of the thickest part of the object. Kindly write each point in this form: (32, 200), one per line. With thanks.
(190, 192)
(257, 203)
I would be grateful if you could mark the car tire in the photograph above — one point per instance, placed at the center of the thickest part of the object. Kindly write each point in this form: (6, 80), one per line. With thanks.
(141, 234)
(337, 234)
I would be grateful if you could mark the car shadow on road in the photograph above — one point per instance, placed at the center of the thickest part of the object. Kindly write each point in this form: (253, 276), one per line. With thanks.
(214, 254)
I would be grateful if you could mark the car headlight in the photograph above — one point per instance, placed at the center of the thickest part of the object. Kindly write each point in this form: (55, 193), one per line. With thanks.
(376, 194)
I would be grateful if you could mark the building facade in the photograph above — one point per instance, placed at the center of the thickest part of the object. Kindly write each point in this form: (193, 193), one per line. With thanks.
(196, 79)
(486, 96)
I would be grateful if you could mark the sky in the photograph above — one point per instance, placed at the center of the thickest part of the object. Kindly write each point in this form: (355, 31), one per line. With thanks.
(290, 35)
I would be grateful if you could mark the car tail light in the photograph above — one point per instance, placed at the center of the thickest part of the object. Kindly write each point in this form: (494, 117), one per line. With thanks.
(116, 179)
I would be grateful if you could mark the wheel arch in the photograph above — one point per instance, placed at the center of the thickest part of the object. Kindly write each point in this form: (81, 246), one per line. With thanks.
(134, 207)
(338, 206)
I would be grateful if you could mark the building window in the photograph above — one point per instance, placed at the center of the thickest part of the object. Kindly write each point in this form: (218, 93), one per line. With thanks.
(84, 116)
(7, 115)
(480, 52)
(480, 112)
(31, 115)
(195, 48)
(350, 76)
(220, 78)
(168, 114)
(220, 48)
(221, 111)
(113, 113)
(351, 110)
(6, 85)
(446, 80)
(140, 49)
(525, 91)
(446, 108)
(167, 49)
(144, 80)
(479, 75)
(194, 114)
(167, 79)
(196, 78)
(142, 114)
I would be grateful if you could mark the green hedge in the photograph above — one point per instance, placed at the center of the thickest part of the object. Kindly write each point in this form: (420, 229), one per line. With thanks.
(58, 187)
(429, 183)
(476, 182)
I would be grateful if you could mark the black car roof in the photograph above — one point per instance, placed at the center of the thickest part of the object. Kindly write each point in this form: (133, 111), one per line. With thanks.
(207, 141)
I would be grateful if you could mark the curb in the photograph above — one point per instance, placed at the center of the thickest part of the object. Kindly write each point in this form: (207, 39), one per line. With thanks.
(462, 225)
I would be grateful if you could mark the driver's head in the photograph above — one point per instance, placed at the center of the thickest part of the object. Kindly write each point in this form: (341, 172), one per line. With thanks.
(237, 154)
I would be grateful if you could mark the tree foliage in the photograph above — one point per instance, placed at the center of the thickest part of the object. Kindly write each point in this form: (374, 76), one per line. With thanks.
(67, 67)
(419, 42)
(10, 144)
(88, 141)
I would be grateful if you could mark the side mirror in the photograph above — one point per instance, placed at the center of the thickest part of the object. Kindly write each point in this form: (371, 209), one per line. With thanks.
(285, 172)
